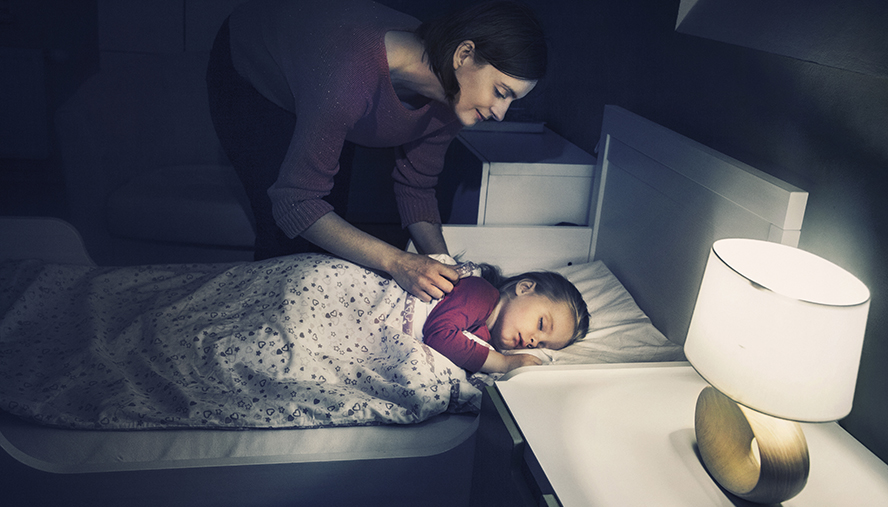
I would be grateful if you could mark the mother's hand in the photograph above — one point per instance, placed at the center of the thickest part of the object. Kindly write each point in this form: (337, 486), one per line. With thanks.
(419, 275)
(424, 277)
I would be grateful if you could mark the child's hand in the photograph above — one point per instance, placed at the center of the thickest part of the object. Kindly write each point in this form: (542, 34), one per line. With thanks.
(499, 363)
(519, 360)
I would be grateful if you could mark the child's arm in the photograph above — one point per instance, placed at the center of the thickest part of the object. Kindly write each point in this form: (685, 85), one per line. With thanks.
(466, 307)
(501, 363)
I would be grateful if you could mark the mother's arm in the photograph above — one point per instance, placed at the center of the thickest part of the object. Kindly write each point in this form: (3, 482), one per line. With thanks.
(422, 276)
(428, 238)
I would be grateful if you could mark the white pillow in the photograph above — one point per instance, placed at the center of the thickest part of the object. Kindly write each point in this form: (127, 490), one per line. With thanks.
(619, 332)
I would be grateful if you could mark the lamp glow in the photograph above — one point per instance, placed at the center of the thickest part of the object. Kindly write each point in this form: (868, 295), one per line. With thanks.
(780, 331)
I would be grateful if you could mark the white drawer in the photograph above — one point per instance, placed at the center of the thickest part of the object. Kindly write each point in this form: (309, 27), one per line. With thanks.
(522, 178)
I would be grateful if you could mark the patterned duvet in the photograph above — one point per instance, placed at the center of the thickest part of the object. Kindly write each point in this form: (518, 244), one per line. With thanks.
(299, 341)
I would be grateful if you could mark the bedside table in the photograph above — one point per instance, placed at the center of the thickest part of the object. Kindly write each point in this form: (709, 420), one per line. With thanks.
(623, 435)
(511, 175)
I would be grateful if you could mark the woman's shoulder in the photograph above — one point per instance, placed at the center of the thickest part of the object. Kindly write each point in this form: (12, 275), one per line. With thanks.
(357, 25)
(352, 52)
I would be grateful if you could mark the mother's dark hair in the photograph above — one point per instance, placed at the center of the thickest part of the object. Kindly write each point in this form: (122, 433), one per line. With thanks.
(506, 35)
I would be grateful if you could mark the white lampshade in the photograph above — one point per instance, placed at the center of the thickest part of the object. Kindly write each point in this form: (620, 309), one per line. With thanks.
(779, 330)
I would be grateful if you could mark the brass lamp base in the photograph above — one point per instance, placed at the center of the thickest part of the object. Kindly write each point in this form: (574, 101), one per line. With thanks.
(755, 456)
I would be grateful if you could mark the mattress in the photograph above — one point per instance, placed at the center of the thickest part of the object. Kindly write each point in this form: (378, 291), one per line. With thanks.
(79, 451)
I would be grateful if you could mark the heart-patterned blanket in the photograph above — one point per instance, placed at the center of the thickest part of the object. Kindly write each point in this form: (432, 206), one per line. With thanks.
(301, 341)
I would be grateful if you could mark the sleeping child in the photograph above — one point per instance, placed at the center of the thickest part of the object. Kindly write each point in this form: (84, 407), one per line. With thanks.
(485, 315)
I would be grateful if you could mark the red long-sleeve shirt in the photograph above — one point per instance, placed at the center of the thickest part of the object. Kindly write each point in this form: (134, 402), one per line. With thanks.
(465, 308)
(326, 62)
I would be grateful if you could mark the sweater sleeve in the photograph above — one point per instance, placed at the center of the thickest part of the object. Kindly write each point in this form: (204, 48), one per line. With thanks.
(417, 166)
(306, 175)
(327, 109)
(465, 308)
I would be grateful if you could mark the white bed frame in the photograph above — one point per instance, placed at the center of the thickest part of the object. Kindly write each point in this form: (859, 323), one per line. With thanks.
(659, 201)
(663, 199)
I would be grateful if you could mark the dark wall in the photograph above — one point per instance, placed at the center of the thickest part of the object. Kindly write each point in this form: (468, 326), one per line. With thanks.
(47, 48)
(821, 128)
(64, 36)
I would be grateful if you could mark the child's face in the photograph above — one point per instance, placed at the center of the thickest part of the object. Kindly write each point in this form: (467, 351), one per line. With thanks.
(529, 320)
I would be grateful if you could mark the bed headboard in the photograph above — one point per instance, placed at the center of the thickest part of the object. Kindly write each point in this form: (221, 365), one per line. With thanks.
(661, 200)
(516, 249)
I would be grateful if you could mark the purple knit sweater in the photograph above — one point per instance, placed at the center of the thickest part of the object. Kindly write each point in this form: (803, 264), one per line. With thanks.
(326, 61)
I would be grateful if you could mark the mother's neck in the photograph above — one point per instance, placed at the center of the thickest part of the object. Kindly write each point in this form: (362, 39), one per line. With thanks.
(409, 71)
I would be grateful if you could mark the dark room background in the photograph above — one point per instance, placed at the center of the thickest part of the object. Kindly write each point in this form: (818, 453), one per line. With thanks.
(820, 127)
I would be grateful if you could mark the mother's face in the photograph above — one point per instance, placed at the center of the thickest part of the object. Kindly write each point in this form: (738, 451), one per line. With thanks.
(485, 93)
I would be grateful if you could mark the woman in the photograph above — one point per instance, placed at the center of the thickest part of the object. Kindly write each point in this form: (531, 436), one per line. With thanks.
(289, 82)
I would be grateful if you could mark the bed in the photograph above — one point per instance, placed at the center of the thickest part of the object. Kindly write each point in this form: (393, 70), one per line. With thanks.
(637, 265)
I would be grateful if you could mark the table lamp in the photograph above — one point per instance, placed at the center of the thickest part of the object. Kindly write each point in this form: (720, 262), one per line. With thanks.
(777, 332)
